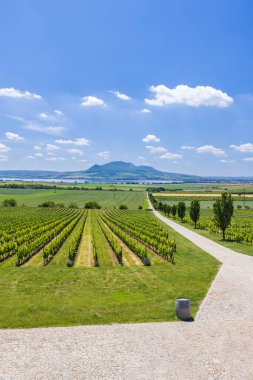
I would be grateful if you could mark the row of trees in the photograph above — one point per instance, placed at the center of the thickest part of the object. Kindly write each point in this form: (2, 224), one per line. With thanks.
(223, 210)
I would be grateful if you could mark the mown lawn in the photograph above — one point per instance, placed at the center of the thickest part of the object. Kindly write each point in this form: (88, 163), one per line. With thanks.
(59, 296)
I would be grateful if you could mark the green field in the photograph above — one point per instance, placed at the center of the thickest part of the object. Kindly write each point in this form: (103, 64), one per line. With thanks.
(59, 296)
(30, 197)
(52, 294)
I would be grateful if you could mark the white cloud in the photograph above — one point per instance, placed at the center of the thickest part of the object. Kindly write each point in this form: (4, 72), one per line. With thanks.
(58, 112)
(171, 156)
(54, 158)
(75, 151)
(243, 148)
(37, 147)
(145, 110)
(191, 96)
(156, 149)
(79, 142)
(13, 93)
(120, 95)
(141, 158)
(104, 154)
(50, 130)
(30, 157)
(188, 147)
(13, 136)
(90, 101)
(227, 161)
(45, 116)
(150, 138)
(50, 147)
(4, 148)
(3, 158)
(248, 159)
(82, 160)
(38, 154)
(210, 149)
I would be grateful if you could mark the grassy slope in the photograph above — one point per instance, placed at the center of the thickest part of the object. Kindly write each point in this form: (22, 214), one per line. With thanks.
(59, 296)
(105, 198)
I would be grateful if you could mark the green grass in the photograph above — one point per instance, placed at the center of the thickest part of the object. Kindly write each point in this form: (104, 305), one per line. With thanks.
(29, 197)
(59, 296)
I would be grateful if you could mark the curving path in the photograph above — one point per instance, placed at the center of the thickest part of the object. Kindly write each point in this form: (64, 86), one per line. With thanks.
(231, 295)
(219, 345)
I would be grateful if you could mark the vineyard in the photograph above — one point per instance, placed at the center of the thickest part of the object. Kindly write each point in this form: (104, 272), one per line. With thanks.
(239, 234)
(88, 238)
(66, 266)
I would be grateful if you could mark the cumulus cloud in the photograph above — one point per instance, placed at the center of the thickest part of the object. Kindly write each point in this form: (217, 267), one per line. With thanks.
(13, 136)
(58, 112)
(171, 156)
(156, 149)
(79, 142)
(4, 148)
(145, 110)
(75, 151)
(248, 159)
(210, 149)
(120, 95)
(91, 101)
(243, 148)
(150, 138)
(13, 93)
(37, 147)
(191, 96)
(188, 147)
(50, 147)
(104, 154)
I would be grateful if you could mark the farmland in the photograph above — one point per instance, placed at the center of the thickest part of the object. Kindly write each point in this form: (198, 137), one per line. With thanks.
(32, 197)
(240, 232)
(62, 266)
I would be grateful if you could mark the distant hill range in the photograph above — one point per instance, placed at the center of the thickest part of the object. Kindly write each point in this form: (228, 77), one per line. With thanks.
(116, 171)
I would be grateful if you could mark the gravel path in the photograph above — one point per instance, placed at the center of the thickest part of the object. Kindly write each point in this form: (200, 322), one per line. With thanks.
(218, 345)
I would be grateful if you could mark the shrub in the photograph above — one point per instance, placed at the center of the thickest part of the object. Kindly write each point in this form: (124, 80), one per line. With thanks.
(47, 204)
(9, 203)
(123, 207)
(73, 205)
(92, 205)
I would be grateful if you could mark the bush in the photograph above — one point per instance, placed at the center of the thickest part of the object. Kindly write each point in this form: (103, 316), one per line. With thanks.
(73, 205)
(92, 205)
(9, 203)
(123, 207)
(140, 207)
(47, 204)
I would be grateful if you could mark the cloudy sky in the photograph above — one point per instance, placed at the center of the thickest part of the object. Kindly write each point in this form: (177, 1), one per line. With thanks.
(161, 83)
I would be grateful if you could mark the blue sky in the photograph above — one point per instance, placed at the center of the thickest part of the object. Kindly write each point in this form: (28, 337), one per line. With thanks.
(163, 83)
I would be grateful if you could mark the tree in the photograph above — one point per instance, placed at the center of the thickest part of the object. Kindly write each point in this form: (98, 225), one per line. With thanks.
(168, 210)
(181, 208)
(195, 212)
(123, 207)
(92, 205)
(47, 204)
(223, 210)
(9, 202)
(174, 210)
